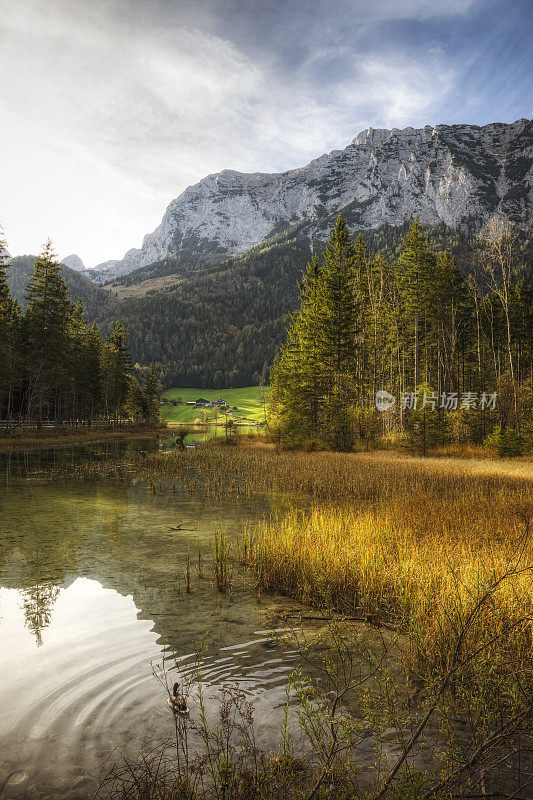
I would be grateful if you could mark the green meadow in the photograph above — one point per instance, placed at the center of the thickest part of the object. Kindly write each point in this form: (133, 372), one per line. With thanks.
(247, 403)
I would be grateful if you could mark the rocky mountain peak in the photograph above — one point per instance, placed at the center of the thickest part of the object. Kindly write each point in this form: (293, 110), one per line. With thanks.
(74, 262)
(436, 173)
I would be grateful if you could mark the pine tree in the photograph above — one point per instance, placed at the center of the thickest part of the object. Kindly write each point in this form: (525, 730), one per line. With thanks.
(5, 265)
(151, 395)
(46, 322)
(53, 364)
(425, 425)
(336, 309)
(135, 401)
(447, 304)
(416, 266)
(295, 375)
(313, 377)
(85, 366)
(116, 369)
(75, 390)
(94, 365)
(9, 330)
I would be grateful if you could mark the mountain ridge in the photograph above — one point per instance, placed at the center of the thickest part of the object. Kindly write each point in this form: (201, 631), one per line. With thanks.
(438, 173)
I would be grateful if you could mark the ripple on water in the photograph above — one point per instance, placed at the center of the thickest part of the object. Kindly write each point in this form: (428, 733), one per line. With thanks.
(76, 650)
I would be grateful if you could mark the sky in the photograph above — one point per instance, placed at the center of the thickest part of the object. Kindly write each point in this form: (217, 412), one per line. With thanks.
(109, 109)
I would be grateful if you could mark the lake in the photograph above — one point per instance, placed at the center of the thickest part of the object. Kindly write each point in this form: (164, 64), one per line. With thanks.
(93, 600)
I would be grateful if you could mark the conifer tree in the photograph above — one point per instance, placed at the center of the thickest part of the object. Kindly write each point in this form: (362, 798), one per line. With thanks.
(94, 357)
(116, 368)
(296, 373)
(75, 388)
(151, 395)
(135, 400)
(313, 377)
(52, 364)
(447, 313)
(416, 266)
(85, 365)
(425, 425)
(46, 323)
(335, 312)
(9, 329)
(5, 265)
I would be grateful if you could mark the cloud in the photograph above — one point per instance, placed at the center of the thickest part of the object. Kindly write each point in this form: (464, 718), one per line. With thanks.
(131, 96)
(112, 107)
(404, 92)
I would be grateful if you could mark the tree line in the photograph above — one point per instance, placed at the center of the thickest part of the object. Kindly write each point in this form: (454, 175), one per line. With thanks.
(221, 325)
(54, 366)
(220, 328)
(451, 350)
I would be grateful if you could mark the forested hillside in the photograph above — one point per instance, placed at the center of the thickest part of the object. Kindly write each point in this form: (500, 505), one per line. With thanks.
(222, 325)
(94, 299)
(298, 238)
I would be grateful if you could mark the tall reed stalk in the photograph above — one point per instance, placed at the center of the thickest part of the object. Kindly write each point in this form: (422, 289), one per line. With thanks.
(221, 561)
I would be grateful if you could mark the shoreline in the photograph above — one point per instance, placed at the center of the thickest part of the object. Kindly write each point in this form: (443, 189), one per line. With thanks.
(47, 438)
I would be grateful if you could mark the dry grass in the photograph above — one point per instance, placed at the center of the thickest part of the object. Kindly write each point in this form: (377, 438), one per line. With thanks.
(404, 566)
(411, 542)
(338, 477)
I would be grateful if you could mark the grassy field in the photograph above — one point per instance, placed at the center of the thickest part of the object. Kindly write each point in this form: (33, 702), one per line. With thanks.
(144, 287)
(248, 400)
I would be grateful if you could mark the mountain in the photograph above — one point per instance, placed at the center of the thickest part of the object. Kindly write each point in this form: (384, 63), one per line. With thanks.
(95, 300)
(222, 325)
(74, 262)
(438, 174)
(219, 327)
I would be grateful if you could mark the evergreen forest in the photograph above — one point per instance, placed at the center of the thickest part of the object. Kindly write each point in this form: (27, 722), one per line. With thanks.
(55, 366)
(451, 350)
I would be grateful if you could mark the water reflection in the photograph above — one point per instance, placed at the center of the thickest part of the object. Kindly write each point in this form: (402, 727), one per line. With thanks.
(92, 592)
(37, 602)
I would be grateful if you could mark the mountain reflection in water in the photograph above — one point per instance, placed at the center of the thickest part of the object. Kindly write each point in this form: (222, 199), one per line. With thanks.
(92, 594)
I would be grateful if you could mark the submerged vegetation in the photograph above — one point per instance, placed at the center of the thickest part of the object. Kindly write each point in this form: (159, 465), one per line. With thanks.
(435, 556)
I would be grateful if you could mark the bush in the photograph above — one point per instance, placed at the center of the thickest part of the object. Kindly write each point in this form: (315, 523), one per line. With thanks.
(507, 442)
(425, 427)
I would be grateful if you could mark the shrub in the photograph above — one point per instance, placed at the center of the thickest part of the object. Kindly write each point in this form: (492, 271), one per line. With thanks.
(507, 442)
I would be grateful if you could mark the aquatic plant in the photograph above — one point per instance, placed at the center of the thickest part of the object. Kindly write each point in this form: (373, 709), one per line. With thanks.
(351, 728)
(222, 569)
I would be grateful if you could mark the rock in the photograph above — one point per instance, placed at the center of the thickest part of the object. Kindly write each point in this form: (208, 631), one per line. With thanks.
(74, 262)
(438, 174)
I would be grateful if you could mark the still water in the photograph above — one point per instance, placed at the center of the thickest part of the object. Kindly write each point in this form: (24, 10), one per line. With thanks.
(92, 595)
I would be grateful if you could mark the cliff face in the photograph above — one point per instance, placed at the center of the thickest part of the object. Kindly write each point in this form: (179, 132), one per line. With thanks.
(74, 262)
(384, 176)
